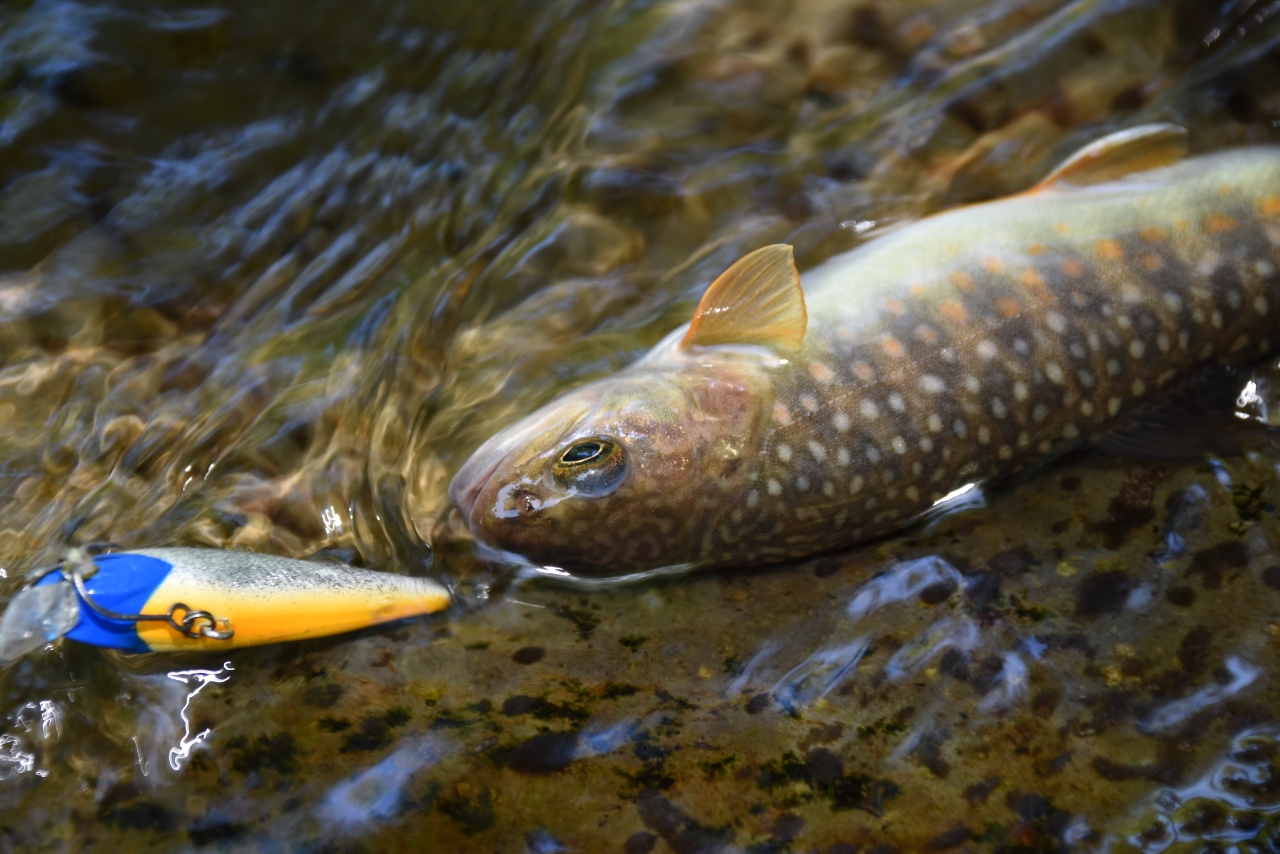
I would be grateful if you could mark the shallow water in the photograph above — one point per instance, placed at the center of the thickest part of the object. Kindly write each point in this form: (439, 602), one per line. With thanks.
(269, 272)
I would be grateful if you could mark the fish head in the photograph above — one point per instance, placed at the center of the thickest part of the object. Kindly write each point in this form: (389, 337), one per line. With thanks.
(619, 475)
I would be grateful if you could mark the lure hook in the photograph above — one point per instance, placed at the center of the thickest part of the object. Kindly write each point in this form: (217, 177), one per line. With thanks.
(195, 623)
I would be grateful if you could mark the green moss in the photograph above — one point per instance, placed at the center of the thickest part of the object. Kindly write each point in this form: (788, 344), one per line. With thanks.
(584, 622)
(472, 814)
(633, 642)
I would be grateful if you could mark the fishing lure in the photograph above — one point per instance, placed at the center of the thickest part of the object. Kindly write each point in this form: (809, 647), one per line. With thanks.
(187, 599)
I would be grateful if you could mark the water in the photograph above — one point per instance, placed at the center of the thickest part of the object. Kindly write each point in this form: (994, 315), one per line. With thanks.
(268, 273)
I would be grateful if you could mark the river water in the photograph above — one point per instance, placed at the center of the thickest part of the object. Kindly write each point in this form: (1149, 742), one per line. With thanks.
(269, 273)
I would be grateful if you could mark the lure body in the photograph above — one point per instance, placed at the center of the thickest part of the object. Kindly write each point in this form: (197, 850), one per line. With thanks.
(265, 599)
(965, 347)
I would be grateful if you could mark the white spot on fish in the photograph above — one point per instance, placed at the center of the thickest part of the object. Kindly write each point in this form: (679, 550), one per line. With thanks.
(1077, 350)
(1208, 263)
(784, 453)
(1056, 321)
(855, 485)
(1264, 267)
(1139, 388)
(932, 384)
(828, 488)
(972, 384)
(842, 456)
(1086, 408)
(868, 409)
(1005, 452)
(1137, 348)
(774, 487)
(1123, 321)
(1113, 406)
(1086, 378)
(1240, 343)
(1234, 299)
(986, 349)
(1197, 315)
(1163, 342)
(984, 435)
(1113, 368)
(917, 468)
(1054, 372)
(935, 423)
(802, 483)
(1070, 431)
(1216, 319)
(998, 408)
(1129, 292)
(873, 453)
(896, 403)
(926, 445)
(1092, 338)
(1020, 390)
(1260, 304)
(960, 428)
(912, 493)
(1024, 441)
(1021, 347)
(1172, 300)
(818, 451)
(899, 444)
(1039, 413)
(841, 422)
(1044, 447)
(753, 498)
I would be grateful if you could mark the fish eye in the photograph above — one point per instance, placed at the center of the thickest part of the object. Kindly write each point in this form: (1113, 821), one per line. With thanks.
(592, 467)
(581, 453)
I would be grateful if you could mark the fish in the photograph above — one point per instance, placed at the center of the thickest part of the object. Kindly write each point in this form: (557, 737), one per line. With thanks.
(1101, 306)
(216, 600)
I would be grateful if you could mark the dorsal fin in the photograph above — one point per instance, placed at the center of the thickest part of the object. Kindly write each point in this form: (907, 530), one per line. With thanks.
(756, 301)
(1121, 153)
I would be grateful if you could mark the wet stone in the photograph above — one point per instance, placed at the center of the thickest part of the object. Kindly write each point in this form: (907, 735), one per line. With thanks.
(529, 655)
(544, 754)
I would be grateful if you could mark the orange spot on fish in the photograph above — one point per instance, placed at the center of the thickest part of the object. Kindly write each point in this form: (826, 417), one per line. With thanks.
(1152, 234)
(1032, 279)
(1269, 206)
(821, 372)
(1217, 222)
(917, 289)
(1109, 250)
(895, 306)
(953, 311)
(809, 402)
(864, 372)
(892, 346)
(1181, 223)
(782, 415)
(1151, 261)
(1062, 228)
(1072, 267)
(992, 264)
(1035, 249)
(927, 334)
(962, 280)
(1008, 306)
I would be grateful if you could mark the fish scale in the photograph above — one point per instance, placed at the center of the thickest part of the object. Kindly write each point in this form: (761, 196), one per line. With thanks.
(962, 348)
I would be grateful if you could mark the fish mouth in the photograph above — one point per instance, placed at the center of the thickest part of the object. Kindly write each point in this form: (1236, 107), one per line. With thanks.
(470, 481)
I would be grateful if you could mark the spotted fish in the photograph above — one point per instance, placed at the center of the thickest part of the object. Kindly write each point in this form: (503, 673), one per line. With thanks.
(786, 420)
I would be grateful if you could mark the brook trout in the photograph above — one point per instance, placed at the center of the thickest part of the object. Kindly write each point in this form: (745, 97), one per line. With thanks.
(784, 421)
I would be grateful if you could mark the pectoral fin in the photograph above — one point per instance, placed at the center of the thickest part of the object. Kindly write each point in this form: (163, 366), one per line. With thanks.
(756, 301)
(1122, 153)
(1196, 418)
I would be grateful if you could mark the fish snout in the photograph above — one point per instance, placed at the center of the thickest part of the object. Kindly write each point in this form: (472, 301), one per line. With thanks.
(470, 481)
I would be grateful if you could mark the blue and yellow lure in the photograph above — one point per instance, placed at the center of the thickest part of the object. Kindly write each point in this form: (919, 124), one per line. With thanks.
(189, 599)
